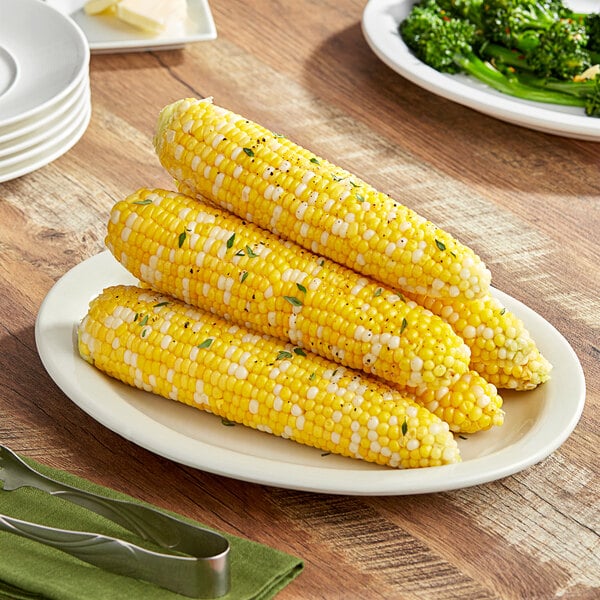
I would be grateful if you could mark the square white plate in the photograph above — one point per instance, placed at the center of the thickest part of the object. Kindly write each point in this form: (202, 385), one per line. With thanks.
(108, 34)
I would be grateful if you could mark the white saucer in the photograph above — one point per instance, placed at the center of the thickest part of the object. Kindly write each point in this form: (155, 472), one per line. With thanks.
(51, 149)
(43, 57)
(42, 134)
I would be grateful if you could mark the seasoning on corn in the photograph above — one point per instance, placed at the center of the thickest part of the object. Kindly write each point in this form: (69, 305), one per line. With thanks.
(502, 349)
(211, 259)
(266, 179)
(471, 404)
(161, 345)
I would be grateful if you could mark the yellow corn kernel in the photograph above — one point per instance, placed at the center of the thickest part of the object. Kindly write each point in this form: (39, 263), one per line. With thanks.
(265, 178)
(502, 349)
(254, 380)
(211, 259)
(471, 404)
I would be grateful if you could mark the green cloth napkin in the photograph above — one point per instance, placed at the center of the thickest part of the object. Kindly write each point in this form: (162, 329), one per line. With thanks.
(29, 569)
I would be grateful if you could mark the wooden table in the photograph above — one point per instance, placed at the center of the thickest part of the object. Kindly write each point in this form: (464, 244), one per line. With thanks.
(527, 202)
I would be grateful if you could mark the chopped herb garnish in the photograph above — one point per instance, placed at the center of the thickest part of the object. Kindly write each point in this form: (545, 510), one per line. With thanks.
(360, 197)
(404, 427)
(312, 376)
(143, 202)
(206, 343)
(240, 253)
(249, 151)
(440, 245)
(325, 453)
(227, 422)
(230, 241)
(502, 311)
(315, 160)
(299, 352)
(284, 354)
(353, 184)
(293, 300)
(182, 237)
(144, 321)
(463, 437)
(135, 318)
(378, 292)
(337, 177)
(244, 275)
(165, 303)
(250, 252)
(301, 288)
(403, 326)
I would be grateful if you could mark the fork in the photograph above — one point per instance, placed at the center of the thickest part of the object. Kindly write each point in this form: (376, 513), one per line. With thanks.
(205, 572)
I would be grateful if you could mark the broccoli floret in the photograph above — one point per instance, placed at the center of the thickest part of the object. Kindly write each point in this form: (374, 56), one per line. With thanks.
(561, 51)
(592, 27)
(517, 23)
(446, 44)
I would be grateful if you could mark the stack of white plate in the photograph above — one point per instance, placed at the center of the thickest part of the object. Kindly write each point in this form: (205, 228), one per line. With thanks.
(45, 103)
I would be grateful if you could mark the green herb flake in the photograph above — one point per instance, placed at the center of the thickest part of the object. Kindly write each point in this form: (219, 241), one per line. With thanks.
(181, 239)
(250, 252)
(404, 427)
(249, 151)
(230, 241)
(301, 288)
(440, 245)
(299, 352)
(337, 177)
(142, 202)
(244, 275)
(206, 343)
(227, 423)
(403, 326)
(283, 354)
(312, 376)
(502, 311)
(293, 300)
(315, 161)
(360, 197)
(378, 292)
(144, 321)
(165, 303)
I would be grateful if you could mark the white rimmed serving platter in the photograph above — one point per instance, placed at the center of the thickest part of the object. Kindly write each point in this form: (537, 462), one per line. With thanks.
(537, 422)
(380, 22)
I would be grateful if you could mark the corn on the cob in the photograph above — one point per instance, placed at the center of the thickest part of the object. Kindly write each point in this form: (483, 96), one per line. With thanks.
(502, 349)
(469, 405)
(211, 259)
(161, 345)
(266, 179)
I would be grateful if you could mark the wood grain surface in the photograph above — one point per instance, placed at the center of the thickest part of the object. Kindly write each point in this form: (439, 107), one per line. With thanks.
(527, 202)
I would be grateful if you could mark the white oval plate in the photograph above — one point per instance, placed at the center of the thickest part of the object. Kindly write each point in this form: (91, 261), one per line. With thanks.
(380, 27)
(536, 424)
(47, 51)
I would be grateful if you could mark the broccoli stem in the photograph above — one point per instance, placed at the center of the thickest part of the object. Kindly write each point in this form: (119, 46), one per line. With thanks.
(487, 73)
(579, 89)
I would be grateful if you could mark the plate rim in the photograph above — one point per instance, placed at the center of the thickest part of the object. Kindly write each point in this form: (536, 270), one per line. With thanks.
(374, 481)
(461, 89)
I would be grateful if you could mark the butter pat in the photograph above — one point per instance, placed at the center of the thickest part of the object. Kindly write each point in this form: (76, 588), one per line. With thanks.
(153, 16)
(95, 7)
